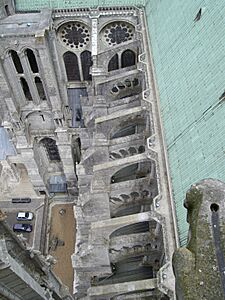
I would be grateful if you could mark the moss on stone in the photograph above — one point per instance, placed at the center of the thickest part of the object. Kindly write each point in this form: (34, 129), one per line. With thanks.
(195, 267)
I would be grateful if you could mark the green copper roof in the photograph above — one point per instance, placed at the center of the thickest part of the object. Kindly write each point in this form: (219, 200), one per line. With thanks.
(32, 5)
(190, 69)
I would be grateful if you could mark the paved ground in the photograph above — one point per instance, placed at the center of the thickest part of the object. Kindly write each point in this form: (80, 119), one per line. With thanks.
(22, 190)
(63, 229)
(36, 206)
(62, 226)
(11, 219)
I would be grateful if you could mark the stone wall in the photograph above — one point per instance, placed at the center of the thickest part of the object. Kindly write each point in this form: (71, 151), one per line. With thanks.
(80, 107)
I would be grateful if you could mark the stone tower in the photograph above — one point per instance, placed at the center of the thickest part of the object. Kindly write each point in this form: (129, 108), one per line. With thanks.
(80, 116)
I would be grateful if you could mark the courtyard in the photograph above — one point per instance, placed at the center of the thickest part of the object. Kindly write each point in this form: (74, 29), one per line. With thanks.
(62, 241)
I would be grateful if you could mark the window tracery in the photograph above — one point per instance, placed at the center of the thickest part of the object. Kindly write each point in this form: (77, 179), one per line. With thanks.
(74, 35)
(118, 32)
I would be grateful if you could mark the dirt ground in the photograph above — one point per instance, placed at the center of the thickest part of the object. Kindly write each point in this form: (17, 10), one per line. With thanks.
(62, 241)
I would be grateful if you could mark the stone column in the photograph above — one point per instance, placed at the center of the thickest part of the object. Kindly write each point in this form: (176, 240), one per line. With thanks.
(27, 158)
(9, 176)
(15, 118)
(64, 147)
(57, 68)
(29, 76)
(96, 70)
(15, 85)
(94, 39)
(47, 74)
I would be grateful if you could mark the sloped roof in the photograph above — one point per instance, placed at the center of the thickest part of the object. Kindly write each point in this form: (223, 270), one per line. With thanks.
(32, 5)
(6, 146)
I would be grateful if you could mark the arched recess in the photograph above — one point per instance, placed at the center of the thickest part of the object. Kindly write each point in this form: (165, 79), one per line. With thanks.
(125, 174)
(129, 127)
(32, 60)
(133, 203)
(51, 149)
(113, 63)
(7, 10)
(134, 171)
(39, 120)
(26, 89)
(86, 63)
(140, 238)
(126, 87)
(72, 67)
(139, 256)
(128, 58)
(135, 228)
(125, 131)
(40, 88)
(16, 61)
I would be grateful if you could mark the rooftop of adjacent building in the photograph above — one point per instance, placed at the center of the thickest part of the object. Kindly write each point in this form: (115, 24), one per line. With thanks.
(26, 23)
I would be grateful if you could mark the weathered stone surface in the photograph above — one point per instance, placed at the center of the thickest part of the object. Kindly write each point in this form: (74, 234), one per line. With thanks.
(82, 138)
(199, 268)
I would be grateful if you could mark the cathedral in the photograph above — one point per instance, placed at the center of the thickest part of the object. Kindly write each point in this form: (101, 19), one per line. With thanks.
(85, 127)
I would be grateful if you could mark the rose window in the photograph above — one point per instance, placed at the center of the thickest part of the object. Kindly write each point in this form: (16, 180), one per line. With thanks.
(118, 32)
(74, 35)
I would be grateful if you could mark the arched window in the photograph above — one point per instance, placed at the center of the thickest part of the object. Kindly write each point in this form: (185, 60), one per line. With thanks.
(26, 89)
(40, 88)
(128, 58)
(113, 63)
(16, 61)
(86, 63)
(71, 65)
(32, 60)
(51, 148)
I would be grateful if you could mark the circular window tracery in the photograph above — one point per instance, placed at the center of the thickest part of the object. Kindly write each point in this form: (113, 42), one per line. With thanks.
(74, 35)
(118, 32)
